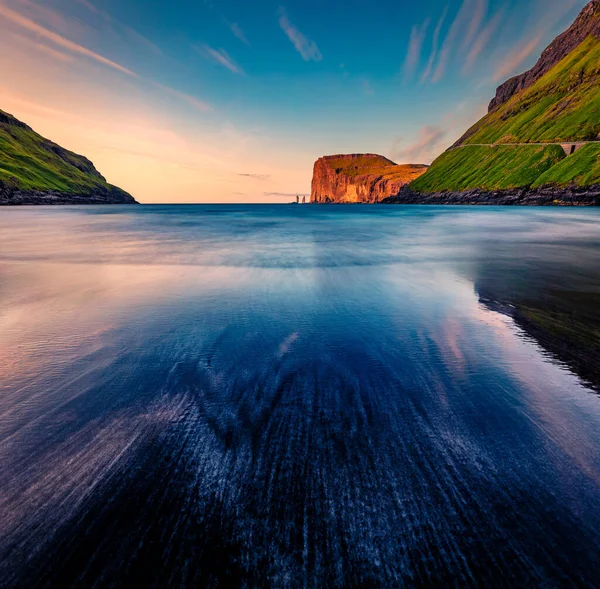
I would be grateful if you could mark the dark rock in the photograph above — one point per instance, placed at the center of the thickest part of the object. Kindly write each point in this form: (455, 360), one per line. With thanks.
(10, 194)
(545, 196)
(8, 119)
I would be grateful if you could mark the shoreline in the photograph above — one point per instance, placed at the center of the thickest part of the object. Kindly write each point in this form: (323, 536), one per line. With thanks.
(109, 195)
(551, 196)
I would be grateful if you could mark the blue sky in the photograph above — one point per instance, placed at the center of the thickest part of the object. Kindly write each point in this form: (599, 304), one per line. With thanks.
(230, 100)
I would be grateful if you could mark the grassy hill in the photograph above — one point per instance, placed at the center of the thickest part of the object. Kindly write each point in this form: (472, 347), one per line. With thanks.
(562, 106)
(34, 170)
(581, 169)
(501, 167)
(374, 165)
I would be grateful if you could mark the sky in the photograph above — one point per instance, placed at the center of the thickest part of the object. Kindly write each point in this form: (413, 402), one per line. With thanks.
(185, 101)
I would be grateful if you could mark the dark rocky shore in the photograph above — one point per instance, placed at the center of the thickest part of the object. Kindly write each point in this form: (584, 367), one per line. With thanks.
(100, 195)
(570, 196)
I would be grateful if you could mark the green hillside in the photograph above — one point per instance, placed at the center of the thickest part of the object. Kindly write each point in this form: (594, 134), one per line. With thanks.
(582, 168)
(31, 163)
(489, 168)
(562, 106)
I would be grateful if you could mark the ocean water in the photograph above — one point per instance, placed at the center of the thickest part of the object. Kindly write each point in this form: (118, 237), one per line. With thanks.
(289, 396)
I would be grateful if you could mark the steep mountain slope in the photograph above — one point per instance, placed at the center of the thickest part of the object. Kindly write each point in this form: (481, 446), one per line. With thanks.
(514, 153)
(365, 178)
(586, 24)
(563, 105)
(34, 170)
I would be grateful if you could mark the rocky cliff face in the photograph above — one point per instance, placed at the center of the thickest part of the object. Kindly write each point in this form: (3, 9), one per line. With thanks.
(587, 23)
(359, 178)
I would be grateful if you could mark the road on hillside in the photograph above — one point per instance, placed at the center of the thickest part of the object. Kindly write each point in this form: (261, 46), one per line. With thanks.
(567, 145)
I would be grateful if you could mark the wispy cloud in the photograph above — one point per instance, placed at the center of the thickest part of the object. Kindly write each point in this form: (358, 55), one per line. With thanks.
(482, 40)
(478, 13)
(91, 7)
(469, 35)
(59, 40)
(458, 24)
(120, 29)
(254, 176)
(62, 49)
(434, 46)
(187, 98)
(238, 33)
(415, 45)
(426, 147)
(137, 37)
(54, 53)
(49, 18)
(221, 57)
(305, 47)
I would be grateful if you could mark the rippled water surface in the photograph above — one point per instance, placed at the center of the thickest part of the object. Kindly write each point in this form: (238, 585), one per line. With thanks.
(293, 396)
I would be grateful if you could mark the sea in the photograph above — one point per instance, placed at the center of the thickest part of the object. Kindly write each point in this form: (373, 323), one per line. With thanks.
(299, 396)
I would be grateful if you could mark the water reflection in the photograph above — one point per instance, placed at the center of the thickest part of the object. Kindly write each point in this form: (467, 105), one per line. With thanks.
(293, 396)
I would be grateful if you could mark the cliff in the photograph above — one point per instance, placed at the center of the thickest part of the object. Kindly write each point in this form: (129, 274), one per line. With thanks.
(540, 142)
(586, 24)
(359, 178)
(34, 170)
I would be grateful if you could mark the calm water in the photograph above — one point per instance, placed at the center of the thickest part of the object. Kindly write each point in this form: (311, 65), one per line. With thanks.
(296, 397)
